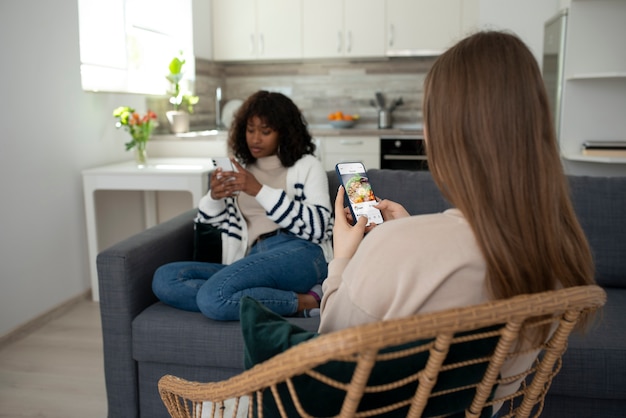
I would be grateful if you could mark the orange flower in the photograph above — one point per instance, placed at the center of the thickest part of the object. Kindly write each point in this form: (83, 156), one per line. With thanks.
(140, 128)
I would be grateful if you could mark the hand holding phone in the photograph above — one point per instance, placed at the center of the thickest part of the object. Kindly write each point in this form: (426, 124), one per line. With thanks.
(361, 197)
(220, 186)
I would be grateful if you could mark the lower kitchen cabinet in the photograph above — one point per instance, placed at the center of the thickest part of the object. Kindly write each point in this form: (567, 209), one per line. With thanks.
(336, 149)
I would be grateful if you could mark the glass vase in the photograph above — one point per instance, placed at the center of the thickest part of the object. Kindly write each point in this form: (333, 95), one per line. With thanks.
(141, 155)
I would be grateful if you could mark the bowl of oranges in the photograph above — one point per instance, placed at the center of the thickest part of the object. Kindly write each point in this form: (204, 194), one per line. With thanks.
(340, 120)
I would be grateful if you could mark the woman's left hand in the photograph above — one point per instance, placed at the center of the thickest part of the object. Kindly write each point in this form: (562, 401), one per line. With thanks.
(346, 237)
(244, 181)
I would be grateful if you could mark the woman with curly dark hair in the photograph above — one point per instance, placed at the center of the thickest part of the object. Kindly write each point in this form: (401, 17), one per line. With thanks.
(274, 214)
(280, 114)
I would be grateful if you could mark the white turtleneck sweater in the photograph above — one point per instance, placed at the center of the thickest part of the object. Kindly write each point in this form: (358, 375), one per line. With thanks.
(268, 171)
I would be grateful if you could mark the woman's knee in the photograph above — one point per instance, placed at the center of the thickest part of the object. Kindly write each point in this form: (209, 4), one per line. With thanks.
(160, 281)
(321, 266)
(214, 306)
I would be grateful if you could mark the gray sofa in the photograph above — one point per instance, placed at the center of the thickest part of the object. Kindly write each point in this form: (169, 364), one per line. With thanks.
(145, 339)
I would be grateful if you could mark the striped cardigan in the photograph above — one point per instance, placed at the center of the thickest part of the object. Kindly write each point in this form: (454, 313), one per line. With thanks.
(304, 209)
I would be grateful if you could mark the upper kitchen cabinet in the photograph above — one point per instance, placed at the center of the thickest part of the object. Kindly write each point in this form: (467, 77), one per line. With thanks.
(343, 28)
(427, 27)
(257, 30)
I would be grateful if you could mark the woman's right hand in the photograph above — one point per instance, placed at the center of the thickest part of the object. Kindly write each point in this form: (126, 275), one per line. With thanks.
(391, 210)
(222, 184)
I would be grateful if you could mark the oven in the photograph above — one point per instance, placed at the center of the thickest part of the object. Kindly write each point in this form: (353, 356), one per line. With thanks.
(403, 152)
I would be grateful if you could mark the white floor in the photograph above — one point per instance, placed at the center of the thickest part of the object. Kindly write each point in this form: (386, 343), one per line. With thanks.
(57, 370)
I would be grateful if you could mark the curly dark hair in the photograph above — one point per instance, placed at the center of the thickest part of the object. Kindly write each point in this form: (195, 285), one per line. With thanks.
(279, 113)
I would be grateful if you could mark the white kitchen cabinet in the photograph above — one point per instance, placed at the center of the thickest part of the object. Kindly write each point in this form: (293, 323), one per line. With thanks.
(256, 30)
(594, 87)
(427, 27)
(336, 149)
(343, 28)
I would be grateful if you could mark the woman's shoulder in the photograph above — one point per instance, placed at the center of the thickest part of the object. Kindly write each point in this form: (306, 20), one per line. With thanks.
(308, 160)
(308, 164)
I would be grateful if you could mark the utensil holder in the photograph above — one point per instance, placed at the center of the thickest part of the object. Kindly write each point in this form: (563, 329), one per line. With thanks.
(384, 119)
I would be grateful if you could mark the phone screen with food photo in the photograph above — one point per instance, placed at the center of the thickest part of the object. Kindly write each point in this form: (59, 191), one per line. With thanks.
(361, 198)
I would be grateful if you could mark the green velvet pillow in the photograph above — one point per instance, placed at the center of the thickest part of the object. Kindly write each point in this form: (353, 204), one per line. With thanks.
(266, 334)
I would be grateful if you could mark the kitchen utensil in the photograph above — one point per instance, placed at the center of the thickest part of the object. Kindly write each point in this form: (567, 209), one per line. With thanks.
(395, 104)
(380, 99)
(373, 103)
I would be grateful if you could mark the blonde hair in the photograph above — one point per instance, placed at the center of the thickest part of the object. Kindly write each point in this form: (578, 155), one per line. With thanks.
(492, 151)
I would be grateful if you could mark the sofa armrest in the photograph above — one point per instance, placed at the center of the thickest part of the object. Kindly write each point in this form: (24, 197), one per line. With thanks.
(125, 273)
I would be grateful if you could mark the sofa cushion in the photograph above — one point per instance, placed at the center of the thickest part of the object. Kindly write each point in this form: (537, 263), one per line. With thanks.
(600, 203)
(594, 365)
(190, 338)
(415, 189)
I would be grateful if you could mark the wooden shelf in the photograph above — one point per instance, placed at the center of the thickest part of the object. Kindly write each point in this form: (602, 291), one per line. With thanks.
(595, 158)
(596, 76)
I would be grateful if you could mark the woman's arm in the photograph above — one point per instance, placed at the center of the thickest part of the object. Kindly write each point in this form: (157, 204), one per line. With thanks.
(219, 203)
(212, 208)
(308, 213)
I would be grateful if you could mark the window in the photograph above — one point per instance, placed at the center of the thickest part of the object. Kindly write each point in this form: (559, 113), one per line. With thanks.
(127, 45)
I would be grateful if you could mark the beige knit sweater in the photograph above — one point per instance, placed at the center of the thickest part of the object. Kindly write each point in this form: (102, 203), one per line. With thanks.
(413, 265)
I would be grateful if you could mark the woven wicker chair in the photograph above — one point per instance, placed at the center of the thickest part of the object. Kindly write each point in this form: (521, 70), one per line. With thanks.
(438, 333)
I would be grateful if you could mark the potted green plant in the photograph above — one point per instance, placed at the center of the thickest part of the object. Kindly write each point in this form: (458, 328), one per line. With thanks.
(182, 101)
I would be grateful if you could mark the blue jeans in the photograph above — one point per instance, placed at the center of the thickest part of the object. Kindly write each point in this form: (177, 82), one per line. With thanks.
(273, 272)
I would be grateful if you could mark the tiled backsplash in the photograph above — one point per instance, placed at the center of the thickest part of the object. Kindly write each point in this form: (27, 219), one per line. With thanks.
(318, 88)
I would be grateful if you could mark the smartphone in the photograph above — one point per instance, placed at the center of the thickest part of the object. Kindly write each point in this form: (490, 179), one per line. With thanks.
(225, 164)
(359, 193)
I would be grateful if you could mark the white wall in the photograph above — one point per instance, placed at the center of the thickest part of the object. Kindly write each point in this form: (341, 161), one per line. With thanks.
(50, 130)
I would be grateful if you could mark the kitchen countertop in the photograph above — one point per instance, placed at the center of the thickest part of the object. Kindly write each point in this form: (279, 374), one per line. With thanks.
(210, 134)
(366, 130)
(319, 131)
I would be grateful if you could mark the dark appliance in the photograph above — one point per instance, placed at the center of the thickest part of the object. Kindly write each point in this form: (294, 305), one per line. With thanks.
(403, 152)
